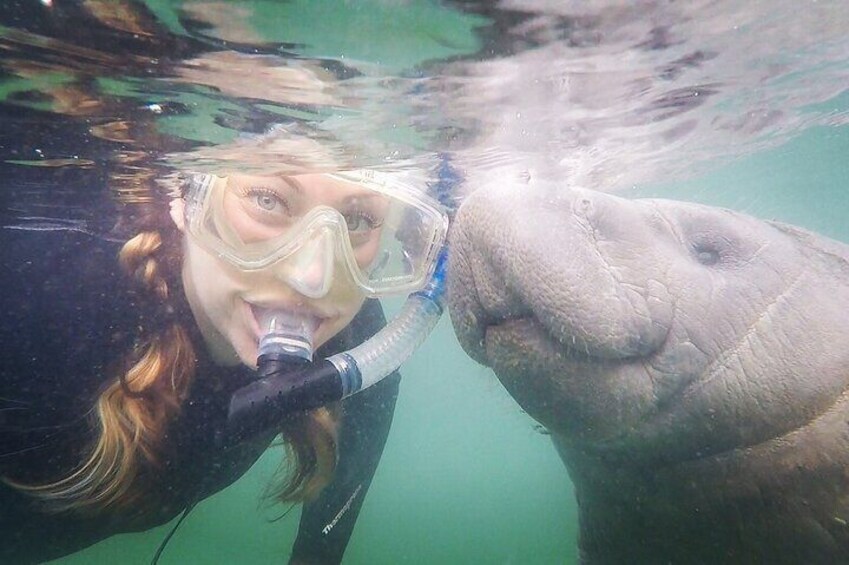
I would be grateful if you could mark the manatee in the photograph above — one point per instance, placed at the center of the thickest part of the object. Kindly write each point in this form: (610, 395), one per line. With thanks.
(691, 364)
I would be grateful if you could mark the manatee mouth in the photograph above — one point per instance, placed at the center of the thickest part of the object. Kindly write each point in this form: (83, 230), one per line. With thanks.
(571, 390)
(524, 344)
(567, 344)
(522, 335)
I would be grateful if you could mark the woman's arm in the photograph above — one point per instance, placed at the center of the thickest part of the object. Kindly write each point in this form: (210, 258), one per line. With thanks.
(327, 522)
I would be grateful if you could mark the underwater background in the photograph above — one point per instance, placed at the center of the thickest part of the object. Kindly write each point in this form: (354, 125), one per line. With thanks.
(643, 102)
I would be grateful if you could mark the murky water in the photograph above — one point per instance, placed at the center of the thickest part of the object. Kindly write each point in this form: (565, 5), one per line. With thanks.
(735, 104)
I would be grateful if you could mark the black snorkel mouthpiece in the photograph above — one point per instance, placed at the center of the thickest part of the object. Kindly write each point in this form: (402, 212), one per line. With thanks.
(284, 390)
(286, 342)
(287, 379)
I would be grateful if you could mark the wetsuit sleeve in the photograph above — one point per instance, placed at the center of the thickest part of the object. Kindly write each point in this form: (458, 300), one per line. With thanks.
(327, 522)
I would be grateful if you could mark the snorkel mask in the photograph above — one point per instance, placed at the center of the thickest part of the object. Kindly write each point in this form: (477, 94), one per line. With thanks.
(386, 236)
(385, 233)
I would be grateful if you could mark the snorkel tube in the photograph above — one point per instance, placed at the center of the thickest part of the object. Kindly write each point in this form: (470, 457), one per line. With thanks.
(289, 381)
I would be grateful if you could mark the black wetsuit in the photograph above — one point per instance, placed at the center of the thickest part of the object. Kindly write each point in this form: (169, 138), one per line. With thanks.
(69, 314)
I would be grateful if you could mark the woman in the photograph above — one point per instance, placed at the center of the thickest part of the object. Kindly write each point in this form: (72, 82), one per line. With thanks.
(121, 357)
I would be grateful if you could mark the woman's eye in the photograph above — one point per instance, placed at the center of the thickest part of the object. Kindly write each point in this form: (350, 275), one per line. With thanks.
(359, 222)
(267, 202)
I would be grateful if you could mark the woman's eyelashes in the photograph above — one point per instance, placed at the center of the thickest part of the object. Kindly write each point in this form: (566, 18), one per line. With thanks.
(361, 221)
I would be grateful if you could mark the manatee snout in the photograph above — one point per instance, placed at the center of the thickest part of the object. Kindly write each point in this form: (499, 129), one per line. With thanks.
(566, 261)
(550, 289)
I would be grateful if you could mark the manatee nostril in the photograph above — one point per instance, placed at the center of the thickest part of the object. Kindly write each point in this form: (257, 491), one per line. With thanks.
(583, 206)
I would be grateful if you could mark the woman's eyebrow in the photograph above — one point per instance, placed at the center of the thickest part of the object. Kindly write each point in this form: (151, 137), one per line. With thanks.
(294, 184)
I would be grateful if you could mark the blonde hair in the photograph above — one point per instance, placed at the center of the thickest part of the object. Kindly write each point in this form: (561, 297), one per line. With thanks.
(133, 412)
(311, 440)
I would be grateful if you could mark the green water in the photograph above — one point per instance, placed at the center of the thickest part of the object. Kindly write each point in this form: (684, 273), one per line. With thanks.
(803, 182)
(466, 476)
(394, 35)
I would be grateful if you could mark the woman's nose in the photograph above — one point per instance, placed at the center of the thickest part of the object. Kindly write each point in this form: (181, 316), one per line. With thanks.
(309, 270)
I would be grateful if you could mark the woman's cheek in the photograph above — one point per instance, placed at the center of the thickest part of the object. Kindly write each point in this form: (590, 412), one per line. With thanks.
(366, 253)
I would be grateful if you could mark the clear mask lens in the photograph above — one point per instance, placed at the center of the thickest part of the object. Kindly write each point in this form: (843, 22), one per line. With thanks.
(387, 237)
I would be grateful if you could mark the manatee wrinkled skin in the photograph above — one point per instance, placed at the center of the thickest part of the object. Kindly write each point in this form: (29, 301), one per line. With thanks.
(690, 362)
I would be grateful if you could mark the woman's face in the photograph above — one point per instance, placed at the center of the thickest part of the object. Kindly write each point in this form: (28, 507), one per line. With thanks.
(228, 302)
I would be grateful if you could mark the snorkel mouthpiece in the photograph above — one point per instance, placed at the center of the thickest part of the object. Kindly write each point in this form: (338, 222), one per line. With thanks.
(285, 334)
(287, 380)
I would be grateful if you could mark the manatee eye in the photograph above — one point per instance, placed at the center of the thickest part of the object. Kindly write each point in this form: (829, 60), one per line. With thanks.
(706, 255)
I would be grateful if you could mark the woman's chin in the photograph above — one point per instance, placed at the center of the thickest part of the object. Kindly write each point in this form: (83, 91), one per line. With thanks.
(248, 355)
(243, 350)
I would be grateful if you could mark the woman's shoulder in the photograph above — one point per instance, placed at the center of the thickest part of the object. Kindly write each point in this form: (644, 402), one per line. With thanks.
(62, 286)
(68, 315)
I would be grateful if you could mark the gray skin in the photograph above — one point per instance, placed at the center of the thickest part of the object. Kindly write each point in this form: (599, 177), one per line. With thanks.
(690, 362)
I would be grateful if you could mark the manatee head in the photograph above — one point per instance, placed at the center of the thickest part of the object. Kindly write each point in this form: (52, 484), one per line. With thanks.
(657, 330)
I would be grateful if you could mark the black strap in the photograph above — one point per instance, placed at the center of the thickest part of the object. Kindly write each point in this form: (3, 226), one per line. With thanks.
(171, 533)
